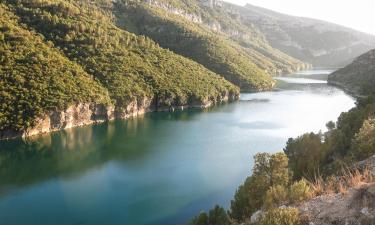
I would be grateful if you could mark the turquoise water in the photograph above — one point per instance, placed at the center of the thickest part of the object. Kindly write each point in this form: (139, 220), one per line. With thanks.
(162, 168)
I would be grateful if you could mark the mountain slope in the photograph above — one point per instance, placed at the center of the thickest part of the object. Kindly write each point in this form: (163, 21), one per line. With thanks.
(358, 77)
(35, 77)
(208, 36)
(133, 71)
(320, 43)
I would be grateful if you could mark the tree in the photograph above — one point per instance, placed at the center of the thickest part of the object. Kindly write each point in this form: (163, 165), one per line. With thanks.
(269, 170)
(364, 141)
(331, 125)
(216, 216)
(305, 154)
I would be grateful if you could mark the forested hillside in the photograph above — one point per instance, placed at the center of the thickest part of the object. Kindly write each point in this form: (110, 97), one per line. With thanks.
(358, 77)
(209, 36)
(63, 52)
(36, 77)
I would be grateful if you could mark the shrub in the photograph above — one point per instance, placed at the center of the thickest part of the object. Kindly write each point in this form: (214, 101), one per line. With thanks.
(299, 191)
(364, 142)
(281, 216)
(276, 196)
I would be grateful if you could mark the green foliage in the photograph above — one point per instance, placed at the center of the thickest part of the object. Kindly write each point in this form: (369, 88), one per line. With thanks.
(364, 141)
(280, 216)
(34, 77)
(299, 191)
(279, 195)
(241, 59)
(269, 170)
(305, 154)
(276, 196)
(216, 216)
(350, 139)
(76, 53)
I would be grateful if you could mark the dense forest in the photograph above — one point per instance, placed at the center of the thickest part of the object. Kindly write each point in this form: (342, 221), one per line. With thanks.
(55, 53)
(216, 41)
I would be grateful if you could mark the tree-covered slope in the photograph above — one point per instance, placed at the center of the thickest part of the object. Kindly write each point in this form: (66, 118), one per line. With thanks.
(357, 77)
(209, 36)
(317, 42)
(83, 55)
(35, 77)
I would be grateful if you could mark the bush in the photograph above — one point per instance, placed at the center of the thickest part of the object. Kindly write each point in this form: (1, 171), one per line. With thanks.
(364, 142)
(299, 191)
(276, 196)
(281, 216)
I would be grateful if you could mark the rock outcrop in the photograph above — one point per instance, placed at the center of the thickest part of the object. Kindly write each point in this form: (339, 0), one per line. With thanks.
(81, 114)
(356, 207)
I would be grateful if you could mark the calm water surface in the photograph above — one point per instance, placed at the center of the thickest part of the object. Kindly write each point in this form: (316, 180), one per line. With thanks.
(161, 169)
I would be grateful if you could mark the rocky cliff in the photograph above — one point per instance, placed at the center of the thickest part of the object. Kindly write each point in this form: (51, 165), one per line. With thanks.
(81, 114)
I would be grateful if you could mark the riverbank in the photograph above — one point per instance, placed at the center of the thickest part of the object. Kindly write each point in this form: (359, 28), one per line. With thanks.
(82, 114)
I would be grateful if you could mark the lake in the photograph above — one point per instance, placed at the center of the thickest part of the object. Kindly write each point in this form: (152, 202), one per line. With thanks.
(160, 169)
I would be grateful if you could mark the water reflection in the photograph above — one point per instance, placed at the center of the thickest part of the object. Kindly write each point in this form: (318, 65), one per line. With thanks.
(73, 151)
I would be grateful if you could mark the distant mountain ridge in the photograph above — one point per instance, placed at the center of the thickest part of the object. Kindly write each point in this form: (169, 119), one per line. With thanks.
(320, 43)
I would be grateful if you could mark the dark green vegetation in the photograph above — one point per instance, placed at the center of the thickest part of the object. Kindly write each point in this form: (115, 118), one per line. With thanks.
(35, 77)
(359, 76)
(317, 42)
(210, 36)
(216, 216)
(55, 53)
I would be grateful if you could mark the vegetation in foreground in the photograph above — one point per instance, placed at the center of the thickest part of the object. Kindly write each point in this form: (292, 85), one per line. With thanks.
(311, 165)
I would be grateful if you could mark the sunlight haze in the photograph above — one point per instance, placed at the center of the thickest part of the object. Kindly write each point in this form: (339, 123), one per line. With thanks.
(357, 14)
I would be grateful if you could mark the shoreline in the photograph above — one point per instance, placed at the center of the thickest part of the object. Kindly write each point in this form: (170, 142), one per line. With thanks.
(83, 114)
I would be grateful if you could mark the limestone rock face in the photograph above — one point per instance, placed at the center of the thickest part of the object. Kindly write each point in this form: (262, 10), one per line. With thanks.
(75, 115)
(81, 114)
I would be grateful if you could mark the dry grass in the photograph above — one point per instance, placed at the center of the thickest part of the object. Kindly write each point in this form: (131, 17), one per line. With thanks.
(343, 189)
(317, 186)
(349, 179)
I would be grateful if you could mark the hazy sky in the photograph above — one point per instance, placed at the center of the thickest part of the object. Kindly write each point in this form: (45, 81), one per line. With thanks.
(357, 14)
